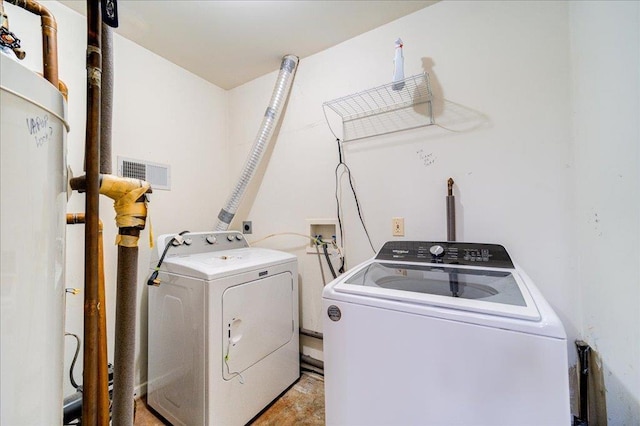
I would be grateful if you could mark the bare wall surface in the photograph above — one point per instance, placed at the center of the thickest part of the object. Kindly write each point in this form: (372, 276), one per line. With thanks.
(606, 149)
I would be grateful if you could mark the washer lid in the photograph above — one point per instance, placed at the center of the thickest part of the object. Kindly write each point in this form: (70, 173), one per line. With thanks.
(495, 291)
(220, 264)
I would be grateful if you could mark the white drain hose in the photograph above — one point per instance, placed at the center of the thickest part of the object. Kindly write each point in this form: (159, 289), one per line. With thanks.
(271, 117)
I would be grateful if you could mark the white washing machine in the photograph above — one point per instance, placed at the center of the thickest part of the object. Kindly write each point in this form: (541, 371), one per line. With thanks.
(442, 334)
(223, 329)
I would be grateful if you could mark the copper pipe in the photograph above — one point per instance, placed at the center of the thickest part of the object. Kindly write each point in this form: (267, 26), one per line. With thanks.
(49, 38)
(92, 164)
(63, 89)
(103, 373)
(79, 183)
(75, 218)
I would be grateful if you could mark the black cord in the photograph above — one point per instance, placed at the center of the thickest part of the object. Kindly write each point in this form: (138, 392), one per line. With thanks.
(358, 208)
(153, 279)
(326, 256)
(355, 196)
(73, 363)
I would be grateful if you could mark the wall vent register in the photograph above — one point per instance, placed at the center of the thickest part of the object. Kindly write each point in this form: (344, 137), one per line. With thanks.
(158, 175)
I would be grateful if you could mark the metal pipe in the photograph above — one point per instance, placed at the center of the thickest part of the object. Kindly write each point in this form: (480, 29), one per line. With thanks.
(451, 212)
(583, 356)
(72, 407)
(103, 373)
(72, 404)
(103, 360)
(92, 163)
(49, 38)
(311, 333)
(312, 361)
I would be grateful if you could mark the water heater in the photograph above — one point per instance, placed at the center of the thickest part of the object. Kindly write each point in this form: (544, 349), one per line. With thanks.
(33, 189)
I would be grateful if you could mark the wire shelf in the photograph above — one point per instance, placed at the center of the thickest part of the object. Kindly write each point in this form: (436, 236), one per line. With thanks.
(385, 109)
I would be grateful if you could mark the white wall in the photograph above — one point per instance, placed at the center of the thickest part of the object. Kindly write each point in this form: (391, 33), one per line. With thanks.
(606, 148)
(162, 114)
(525, 161)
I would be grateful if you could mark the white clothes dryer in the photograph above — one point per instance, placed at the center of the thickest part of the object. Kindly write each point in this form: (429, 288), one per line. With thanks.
(223, 329)
(440, 334)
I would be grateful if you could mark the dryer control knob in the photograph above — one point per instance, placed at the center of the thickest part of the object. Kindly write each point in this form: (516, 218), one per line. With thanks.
(436, 251)
(239, 237)
(230, 237)
(211, 239)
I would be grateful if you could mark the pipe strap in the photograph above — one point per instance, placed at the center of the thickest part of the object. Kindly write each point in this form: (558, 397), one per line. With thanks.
(127, 241)
(94, 75)
(225, 216)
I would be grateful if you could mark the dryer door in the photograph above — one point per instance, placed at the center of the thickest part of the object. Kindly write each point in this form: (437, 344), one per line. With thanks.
(257, 320)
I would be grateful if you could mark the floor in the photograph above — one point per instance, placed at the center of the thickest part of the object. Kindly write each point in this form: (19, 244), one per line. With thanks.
(301, 404)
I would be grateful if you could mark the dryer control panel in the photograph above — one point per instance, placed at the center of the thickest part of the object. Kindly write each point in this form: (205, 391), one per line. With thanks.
(200, 242)
(449, 252)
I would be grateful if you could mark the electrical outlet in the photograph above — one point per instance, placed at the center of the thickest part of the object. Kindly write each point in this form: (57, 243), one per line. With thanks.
(247, 228)
(397, 224)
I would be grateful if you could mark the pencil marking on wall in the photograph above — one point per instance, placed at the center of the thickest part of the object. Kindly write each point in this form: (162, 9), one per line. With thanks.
(427, 158)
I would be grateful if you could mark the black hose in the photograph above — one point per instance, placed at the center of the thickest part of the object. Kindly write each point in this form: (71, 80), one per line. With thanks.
(75, 358)
(583, 355)
(153, 279)
(326, 255)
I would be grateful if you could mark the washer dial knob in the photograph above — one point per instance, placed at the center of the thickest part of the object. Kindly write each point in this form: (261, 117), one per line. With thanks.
(230, 237)
(211, 239)
(436, 250)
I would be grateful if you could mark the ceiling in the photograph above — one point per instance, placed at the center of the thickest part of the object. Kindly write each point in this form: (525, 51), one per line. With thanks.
(229, 43)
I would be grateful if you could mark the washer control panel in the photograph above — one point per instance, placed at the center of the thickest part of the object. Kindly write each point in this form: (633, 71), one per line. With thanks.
(200, 242)
(449, 252)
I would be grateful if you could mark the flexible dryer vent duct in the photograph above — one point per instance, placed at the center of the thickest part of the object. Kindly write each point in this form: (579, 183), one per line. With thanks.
(271, 117)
